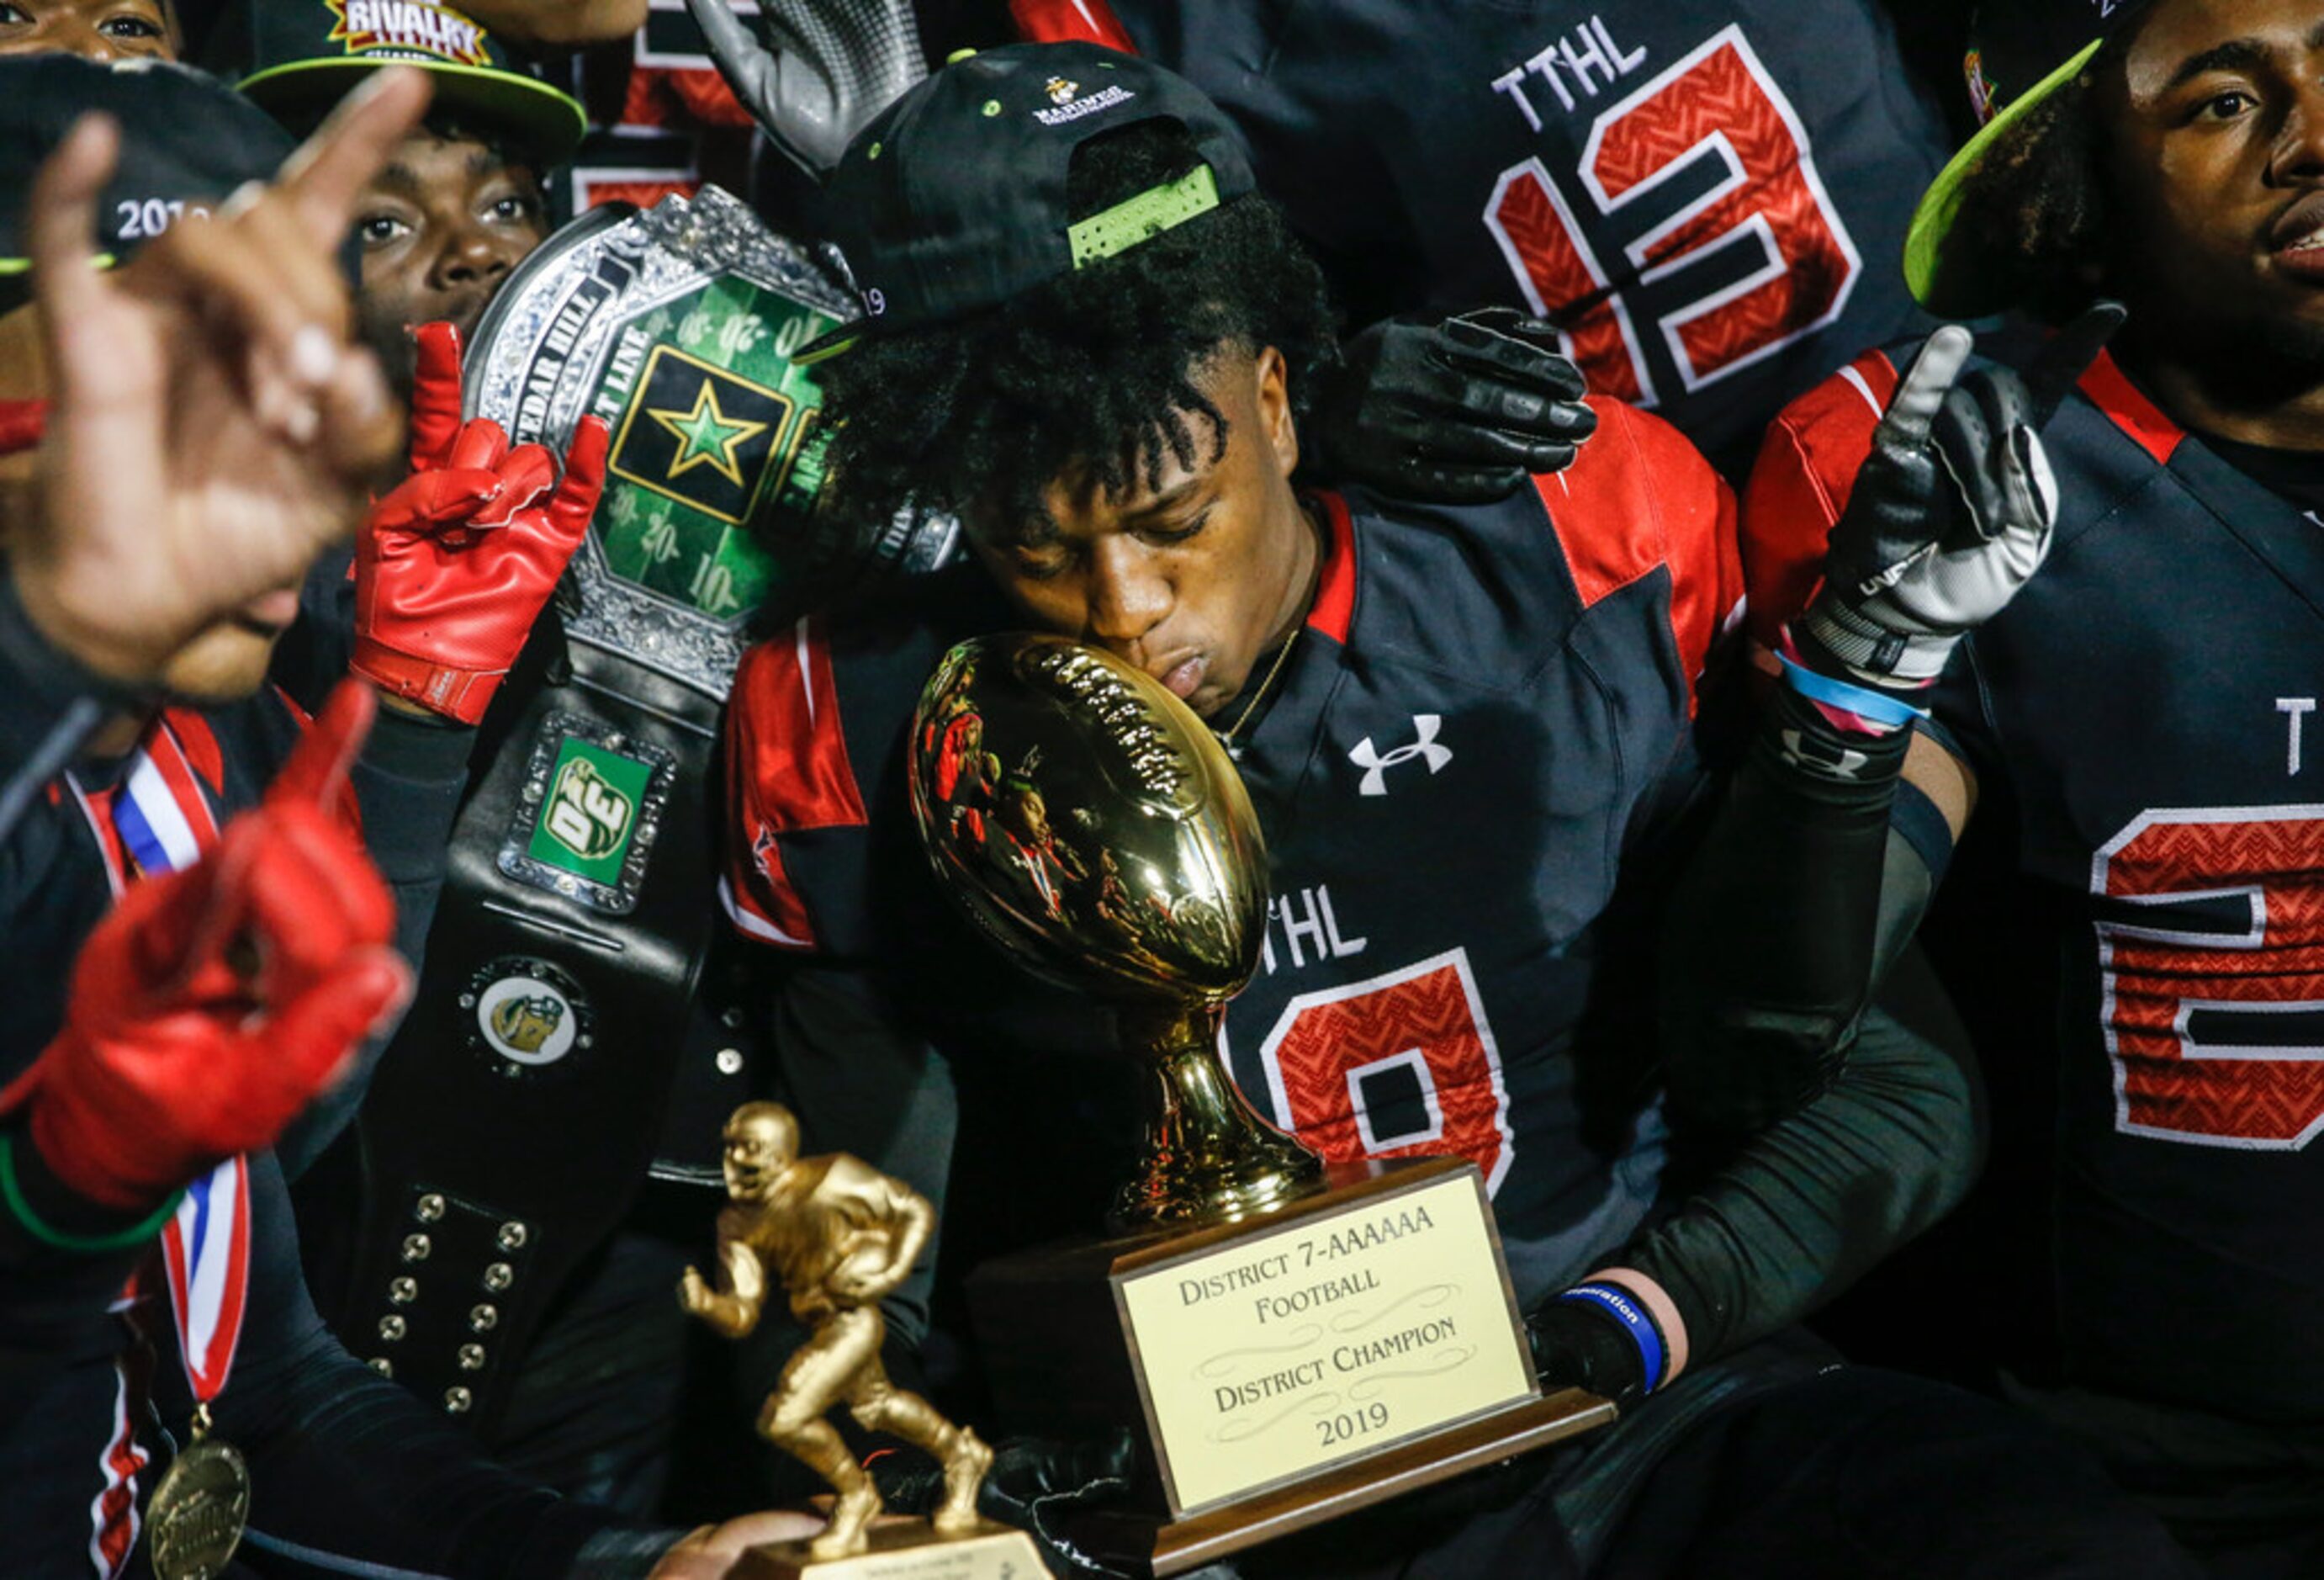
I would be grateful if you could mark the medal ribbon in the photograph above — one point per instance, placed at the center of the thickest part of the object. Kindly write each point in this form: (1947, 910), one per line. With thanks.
(206, 1251)
(159, 821)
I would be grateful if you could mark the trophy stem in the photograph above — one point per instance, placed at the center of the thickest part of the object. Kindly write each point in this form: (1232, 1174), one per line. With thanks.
(1208, 1156)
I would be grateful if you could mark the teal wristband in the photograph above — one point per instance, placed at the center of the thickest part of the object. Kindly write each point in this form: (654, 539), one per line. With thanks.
(1860, 700)
(86, 1244)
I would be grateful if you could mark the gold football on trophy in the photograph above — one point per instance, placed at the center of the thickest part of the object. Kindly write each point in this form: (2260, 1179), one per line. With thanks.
(1095, 828)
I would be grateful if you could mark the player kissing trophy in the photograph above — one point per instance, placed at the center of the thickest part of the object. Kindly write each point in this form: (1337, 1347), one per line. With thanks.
(1298, 1343)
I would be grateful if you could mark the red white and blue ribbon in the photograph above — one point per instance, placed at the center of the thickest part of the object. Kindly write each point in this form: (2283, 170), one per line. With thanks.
(161, 822)
(206, 1251)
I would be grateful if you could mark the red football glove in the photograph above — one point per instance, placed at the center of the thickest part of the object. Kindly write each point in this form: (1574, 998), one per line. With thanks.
(457, 560)
(215, 1003)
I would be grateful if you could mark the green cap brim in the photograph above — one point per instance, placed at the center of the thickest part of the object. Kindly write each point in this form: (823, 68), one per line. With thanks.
(829, 344)
(11, 267)
(549, 120)
(1945, 279)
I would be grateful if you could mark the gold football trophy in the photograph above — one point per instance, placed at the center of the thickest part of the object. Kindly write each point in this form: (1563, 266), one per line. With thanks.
(836, 1234)
(1298, 1343)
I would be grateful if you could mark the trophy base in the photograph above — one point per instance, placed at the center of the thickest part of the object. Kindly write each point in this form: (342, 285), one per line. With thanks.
(903, 1549)
(1147, 1543)
(1352, 1344)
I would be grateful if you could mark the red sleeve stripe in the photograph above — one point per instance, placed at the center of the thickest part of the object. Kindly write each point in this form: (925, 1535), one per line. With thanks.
(1334, 609)
(1056, 21)
(787, 771)
(752, 923)
(1805, 472)
(1636, 497)
(2139, 418)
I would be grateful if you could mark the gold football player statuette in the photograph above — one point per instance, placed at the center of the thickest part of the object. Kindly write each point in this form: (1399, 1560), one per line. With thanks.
(836, 1234)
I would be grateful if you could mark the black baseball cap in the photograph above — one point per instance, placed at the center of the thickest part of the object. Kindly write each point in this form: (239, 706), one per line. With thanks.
(187, 140)
(2021, 52)
(953, 200)
(298, 58)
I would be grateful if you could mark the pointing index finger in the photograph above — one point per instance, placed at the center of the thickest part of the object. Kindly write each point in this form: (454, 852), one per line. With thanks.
(323, 178)
(61, 235)
(1922, 391)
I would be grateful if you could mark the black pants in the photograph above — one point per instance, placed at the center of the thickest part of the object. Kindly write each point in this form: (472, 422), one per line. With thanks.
(1775, 1471)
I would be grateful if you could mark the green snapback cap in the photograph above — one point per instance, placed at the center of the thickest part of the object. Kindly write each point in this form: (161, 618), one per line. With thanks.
(2021, 53)
(297, 58)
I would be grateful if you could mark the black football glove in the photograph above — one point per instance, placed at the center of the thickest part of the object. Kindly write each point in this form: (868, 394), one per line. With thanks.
(1951, 513)
(1031, 1480)
(1457, 410)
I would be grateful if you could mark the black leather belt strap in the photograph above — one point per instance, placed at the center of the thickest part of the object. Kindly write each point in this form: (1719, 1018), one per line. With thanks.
(512, 1123)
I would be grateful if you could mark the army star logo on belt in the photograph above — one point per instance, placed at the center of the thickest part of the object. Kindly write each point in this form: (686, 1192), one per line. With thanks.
(707, 438)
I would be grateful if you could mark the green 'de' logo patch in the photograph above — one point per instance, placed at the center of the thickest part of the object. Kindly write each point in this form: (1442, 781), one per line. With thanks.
(590, 812)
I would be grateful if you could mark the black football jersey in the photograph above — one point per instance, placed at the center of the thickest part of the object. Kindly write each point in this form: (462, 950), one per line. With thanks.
(1487, 713)
(1709, 196)
(2143, 711)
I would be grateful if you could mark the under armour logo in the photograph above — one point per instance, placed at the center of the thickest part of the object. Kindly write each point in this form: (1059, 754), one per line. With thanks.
(1376, 765)
(1823, 758)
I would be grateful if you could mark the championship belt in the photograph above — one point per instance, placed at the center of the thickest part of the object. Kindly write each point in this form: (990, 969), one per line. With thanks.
(509, 1128)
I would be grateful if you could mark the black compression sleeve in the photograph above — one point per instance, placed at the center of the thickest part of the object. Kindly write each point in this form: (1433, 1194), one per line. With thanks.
(1771, 937)
(862, 1082)
(1805, 1207)
(408, 779)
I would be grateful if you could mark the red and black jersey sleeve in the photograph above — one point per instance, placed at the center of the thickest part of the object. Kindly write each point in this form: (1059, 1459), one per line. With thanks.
(1640, 498)
(814, 766)
(1806, 470)
(788, 775)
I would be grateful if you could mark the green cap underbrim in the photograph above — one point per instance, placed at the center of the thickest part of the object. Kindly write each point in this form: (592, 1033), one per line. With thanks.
(11, 267)
(828, 345)
(1945, 280)
(549, 120)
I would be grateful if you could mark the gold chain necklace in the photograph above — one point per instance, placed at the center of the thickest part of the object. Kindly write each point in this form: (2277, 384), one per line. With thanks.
(1282, 655)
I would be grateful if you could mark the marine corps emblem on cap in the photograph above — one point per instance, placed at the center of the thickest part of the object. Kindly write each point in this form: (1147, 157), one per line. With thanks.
(407, 29)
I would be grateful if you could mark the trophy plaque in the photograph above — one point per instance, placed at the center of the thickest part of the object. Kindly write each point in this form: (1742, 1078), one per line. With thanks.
(1296, 1343)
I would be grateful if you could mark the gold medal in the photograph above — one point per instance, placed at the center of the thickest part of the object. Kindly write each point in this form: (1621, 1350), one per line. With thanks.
(196, 1518)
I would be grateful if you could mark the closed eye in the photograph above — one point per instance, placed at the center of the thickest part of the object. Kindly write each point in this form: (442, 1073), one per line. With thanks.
(1176, 532)
(1035, 566)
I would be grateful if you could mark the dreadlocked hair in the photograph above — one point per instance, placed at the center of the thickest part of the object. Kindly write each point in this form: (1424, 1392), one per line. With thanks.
(2037, 212)
(1091, 373)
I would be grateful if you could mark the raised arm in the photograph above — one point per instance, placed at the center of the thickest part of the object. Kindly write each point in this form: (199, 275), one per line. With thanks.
(1802, 893)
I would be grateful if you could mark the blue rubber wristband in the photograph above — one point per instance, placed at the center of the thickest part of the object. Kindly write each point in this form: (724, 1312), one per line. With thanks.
(1623, 1308)
(1860, 700)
